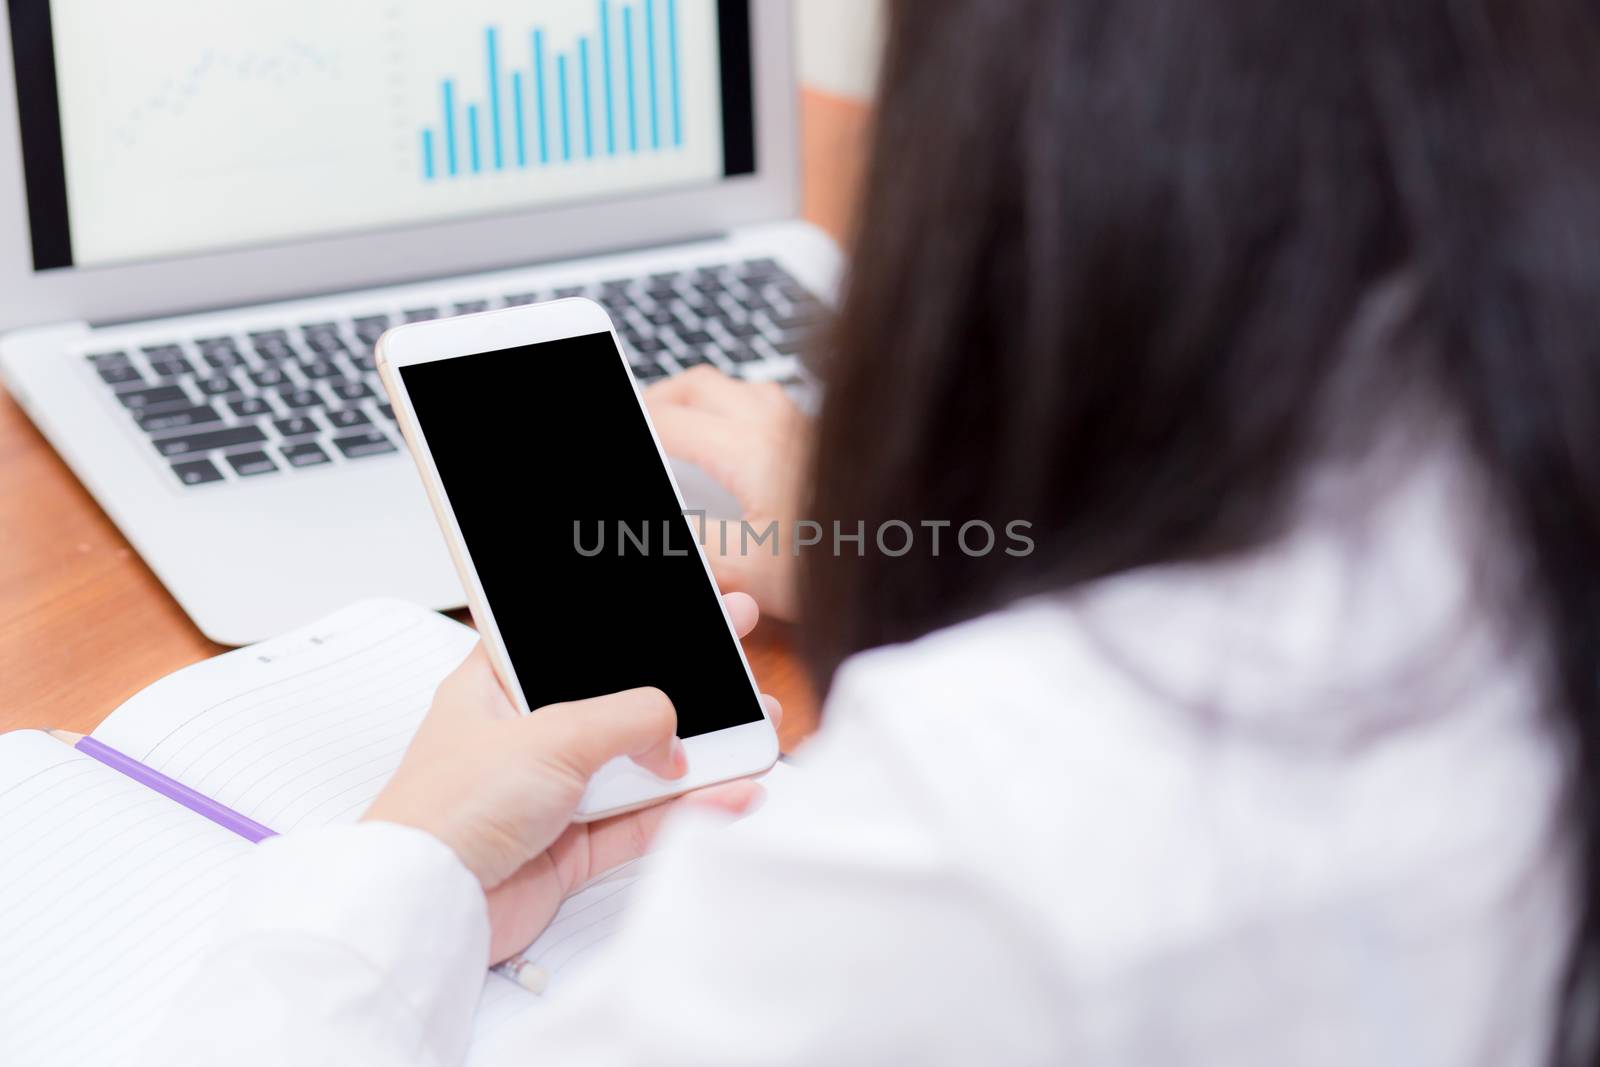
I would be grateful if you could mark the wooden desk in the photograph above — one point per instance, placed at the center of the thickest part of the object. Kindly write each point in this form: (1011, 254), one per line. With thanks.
(84, 624)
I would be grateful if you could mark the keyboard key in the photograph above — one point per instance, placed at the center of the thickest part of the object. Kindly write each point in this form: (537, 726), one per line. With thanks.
(742, 354)
(297, 426)
(156, 397)
(387, 411)
(305, 454)
(469, 307)
(421, 314)
(764, 267)
(223, 359)
(246, 464)
(218, 385)
(648, 373)
(692, 359)
(119, 374)
(155, 352)
(518, 299)
(106, 359)
(249, 406)
(205, 442)
(197, 472)
(207, 345)
(569, 290)
(352, 391)
(695, 337)
(171, 367)
(269, 376)
(178, 419)
(274, 350)
(371, 443)
(325, 343)
(348, 418)
(300, 398)
(272, 344)
(368, 328)
(321, 369)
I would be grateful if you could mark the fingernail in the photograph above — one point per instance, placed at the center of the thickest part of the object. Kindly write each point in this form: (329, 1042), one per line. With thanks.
(680, 758)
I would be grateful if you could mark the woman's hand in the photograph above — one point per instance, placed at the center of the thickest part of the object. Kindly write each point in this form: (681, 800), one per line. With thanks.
(752, 439)
(500, 788)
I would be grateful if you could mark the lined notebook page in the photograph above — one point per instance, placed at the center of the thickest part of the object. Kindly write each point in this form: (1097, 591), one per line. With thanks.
(575, 937)
(108, 891)
(302, 730)
(585, 922)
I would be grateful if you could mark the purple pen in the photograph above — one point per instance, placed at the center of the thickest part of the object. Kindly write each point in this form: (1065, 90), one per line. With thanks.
(198, 803)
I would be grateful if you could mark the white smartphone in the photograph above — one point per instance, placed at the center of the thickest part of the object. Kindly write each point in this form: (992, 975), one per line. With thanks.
(582, 570)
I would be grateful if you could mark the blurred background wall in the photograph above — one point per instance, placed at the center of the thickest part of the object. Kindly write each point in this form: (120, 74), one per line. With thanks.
(838, 43)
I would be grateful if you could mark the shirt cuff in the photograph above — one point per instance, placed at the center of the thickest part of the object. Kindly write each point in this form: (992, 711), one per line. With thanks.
(395, 897)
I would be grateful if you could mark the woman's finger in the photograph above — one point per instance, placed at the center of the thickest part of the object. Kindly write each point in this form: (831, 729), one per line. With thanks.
(584, 735)
(774, 709)
(473, 689)
(714, 443)
(742, 611)
(739, 797)
(703, 387)
(622, 838)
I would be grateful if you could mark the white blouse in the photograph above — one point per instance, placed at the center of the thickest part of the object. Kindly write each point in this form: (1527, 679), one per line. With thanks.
(1298, 808)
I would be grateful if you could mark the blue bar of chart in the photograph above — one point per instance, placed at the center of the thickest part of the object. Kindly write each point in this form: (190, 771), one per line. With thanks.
(614, 92)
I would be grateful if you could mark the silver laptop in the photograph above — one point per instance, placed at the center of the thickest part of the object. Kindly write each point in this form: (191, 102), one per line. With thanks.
(217, 208)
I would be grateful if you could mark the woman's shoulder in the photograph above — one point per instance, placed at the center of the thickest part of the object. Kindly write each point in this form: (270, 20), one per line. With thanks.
(1063, 766)
(1011, 679)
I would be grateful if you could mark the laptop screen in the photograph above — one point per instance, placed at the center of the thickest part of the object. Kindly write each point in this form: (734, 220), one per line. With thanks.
(173, 127)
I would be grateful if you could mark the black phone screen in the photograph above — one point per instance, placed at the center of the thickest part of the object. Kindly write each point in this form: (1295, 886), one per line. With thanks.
(586, 559)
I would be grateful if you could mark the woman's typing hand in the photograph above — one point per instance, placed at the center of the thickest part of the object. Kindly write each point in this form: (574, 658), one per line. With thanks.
(500, 788)
(752, 439)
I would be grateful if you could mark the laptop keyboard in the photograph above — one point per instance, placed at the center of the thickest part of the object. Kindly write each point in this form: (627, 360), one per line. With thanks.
(263, 402)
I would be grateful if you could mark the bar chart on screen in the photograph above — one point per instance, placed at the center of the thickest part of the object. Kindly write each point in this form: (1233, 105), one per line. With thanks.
(539, 100)
(336, 117)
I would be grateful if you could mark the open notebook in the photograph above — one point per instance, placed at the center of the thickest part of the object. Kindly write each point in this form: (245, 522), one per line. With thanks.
(108, 889)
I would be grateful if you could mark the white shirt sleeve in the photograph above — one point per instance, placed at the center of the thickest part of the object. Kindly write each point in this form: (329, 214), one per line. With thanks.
(354, 944)
(835, 927)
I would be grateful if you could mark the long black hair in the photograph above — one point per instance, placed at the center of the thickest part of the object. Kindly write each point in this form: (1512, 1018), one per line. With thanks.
(1107, 256)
